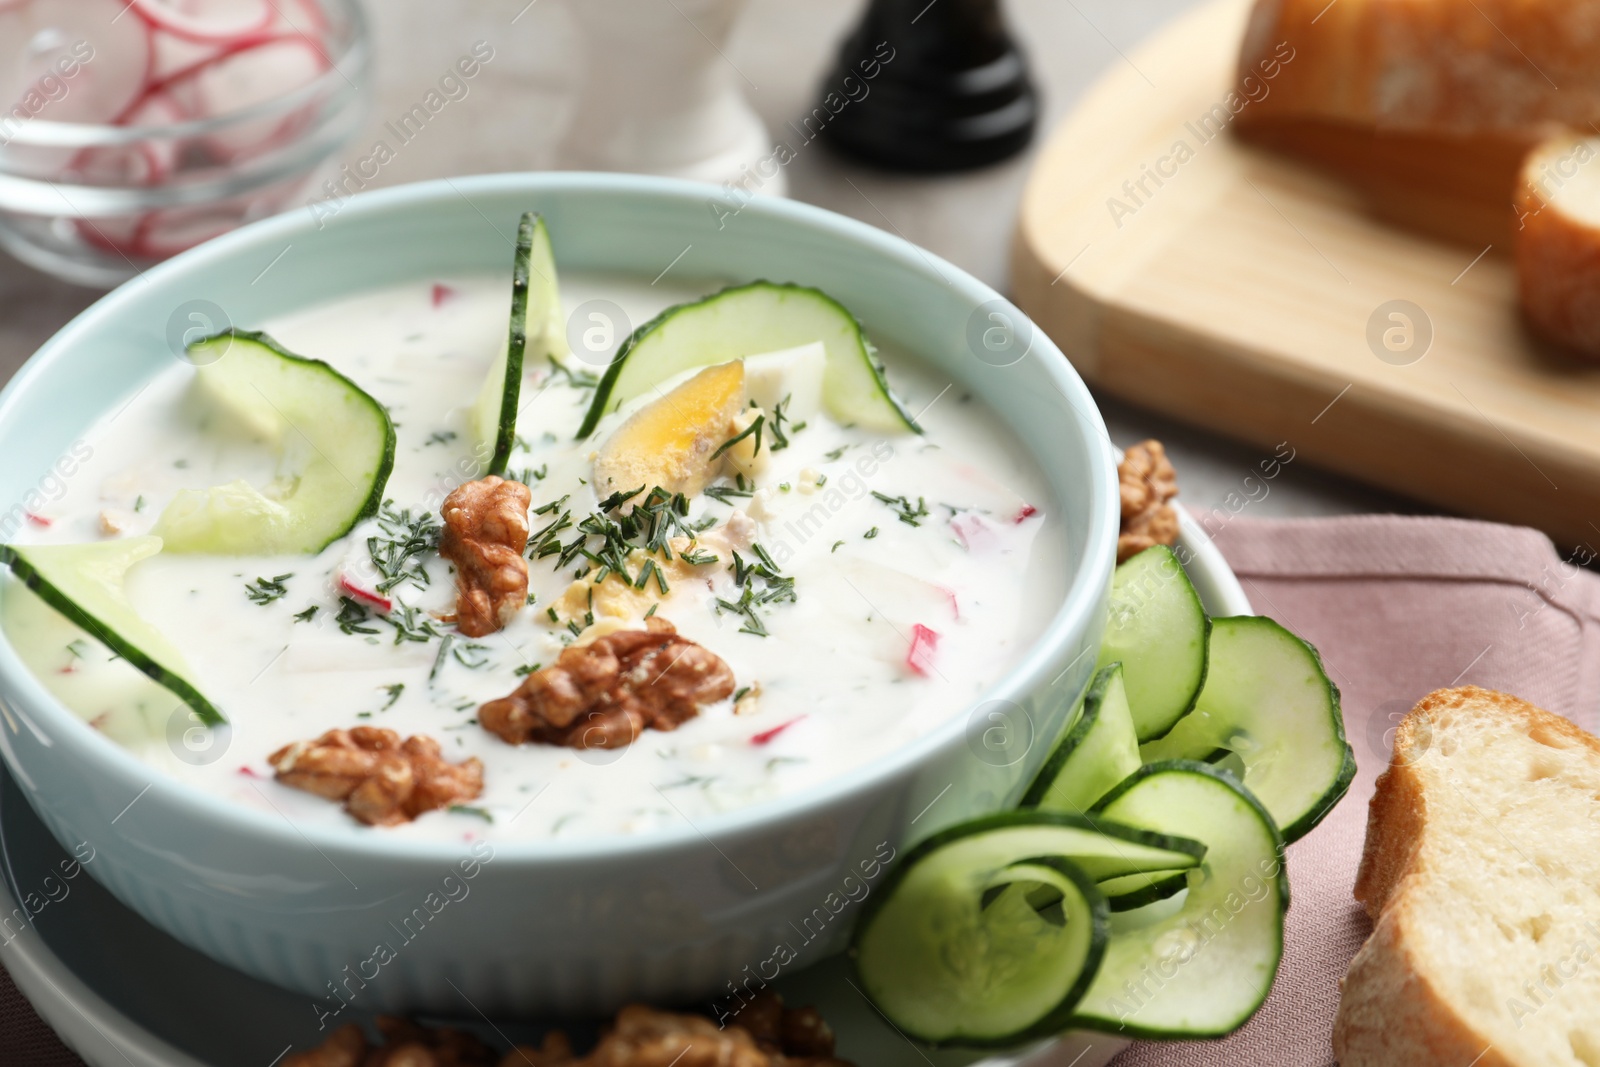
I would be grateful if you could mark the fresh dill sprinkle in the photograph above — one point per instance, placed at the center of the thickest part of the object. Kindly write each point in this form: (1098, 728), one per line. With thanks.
(307, 615)
(363, 714)
(138, 504)
(724, 492)
(76, 648)
(745, 607)
(394, 692)
(552, 613)
(410, 625)
(695, 557)
(468, 809)
(838, 452)
(783, 487)
(835, 547)
(619, 498)
(525, 670)
(352, 617)
(903, 510)
(753, 428)
(870, 534)
(532, 598)
(554, 505)
(470, 654)
(401, 549)
(780, 440)
(576, 379)
(265, 591)
(652, 610)
(760, 584)
(572, 625)
(797, 427)
(740, 693)
(439, 437)
(438, 660)
(822, 480)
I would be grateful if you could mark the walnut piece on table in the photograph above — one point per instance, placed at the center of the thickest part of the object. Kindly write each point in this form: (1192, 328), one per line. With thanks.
(763, 1034)
(1147, 481)
(604, 694)
(381, 780)
(404, 1044)
(485, 534)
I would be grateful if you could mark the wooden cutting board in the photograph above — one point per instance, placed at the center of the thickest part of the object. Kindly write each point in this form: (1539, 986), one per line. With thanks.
(1190, 273)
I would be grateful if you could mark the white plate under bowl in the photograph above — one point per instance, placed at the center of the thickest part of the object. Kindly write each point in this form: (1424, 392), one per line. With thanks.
(123, 994)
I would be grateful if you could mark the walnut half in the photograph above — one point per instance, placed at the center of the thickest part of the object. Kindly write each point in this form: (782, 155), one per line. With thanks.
(382, 780)
(604, 694)
(1147, 482)
(485, 534)
(763, 1034)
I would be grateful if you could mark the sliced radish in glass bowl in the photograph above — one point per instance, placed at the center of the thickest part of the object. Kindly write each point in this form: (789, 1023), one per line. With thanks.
(206, 20)
(148, 126)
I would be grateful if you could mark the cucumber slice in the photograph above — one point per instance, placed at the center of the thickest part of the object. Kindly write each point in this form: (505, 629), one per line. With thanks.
(536, 329)
(1203, 970)
(1268, 700)
(336, 441)
(1129, 891)
(1157, 631)
(745, 320)
(87, 584)
(1098, 752)
(948, 960)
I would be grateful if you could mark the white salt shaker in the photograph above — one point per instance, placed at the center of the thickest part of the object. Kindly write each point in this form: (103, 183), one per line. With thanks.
(661, 97)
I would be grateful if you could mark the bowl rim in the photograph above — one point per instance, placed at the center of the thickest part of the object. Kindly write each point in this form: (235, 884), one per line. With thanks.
(1029, 675)
(336, 83)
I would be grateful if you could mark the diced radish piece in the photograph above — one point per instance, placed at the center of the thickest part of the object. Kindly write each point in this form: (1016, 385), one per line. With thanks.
(249, 772)
(975, 533)
(924, 645)
(442, 293)
(206, 20)
(767, 735)
(366, 596)
(1024, 513)
(39, 520)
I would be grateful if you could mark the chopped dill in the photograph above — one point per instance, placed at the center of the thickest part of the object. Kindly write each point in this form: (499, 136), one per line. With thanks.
(911, 516)
(266, 591)
(753, 428)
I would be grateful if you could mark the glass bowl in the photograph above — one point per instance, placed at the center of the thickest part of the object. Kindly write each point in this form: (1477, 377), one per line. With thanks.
(136, 130)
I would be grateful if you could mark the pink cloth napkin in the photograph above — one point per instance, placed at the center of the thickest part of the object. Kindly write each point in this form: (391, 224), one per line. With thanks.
(1398, 607)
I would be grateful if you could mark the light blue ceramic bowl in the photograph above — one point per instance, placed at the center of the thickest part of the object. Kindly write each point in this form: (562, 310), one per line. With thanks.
(570, 925)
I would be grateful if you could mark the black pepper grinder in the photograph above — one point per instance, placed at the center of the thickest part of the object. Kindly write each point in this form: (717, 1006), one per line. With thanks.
(931, 87)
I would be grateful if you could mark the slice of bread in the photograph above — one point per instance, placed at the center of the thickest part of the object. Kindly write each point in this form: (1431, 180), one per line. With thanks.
(1462, 67)
(1557, 242)
(1425, 107)
(1482, 872)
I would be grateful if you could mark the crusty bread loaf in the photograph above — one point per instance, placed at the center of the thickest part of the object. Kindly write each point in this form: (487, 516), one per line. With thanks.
(1426, 107)
(1463, 67)
(1557, 242)
(1482, 872)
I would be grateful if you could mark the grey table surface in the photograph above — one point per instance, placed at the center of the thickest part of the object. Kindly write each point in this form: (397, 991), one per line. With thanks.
(515, 115)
